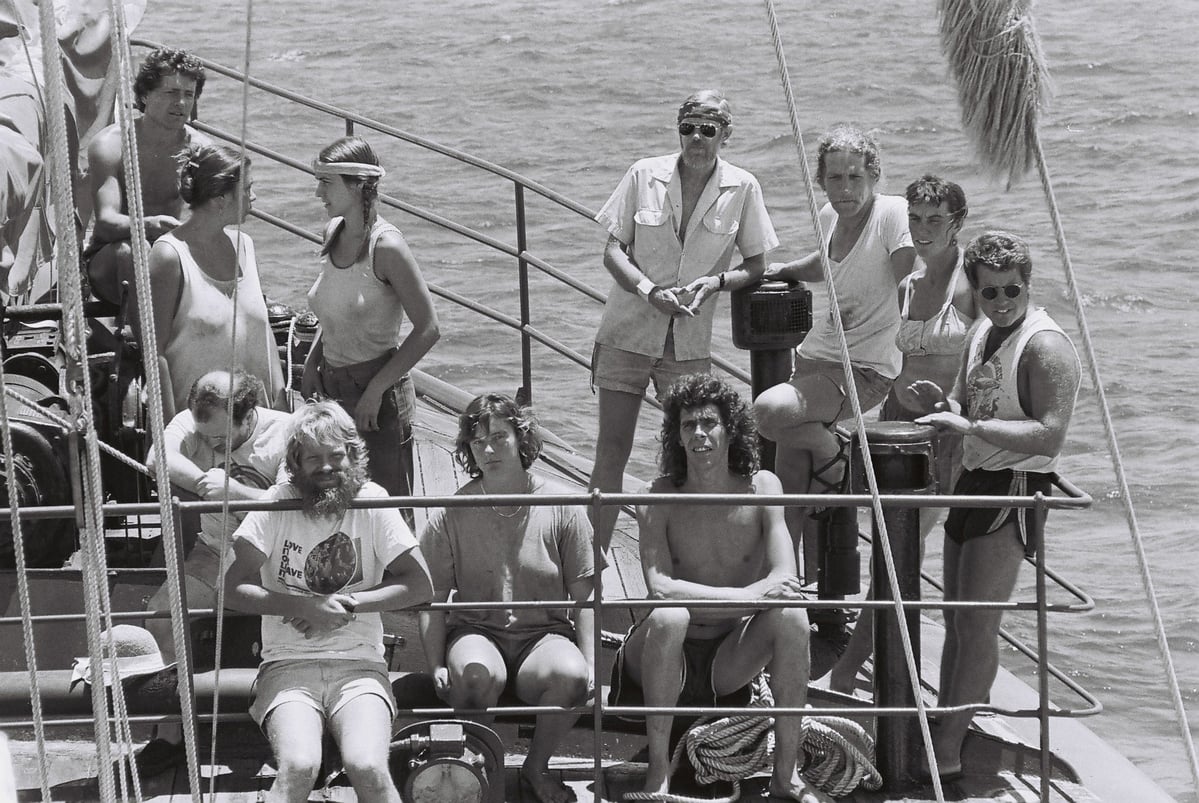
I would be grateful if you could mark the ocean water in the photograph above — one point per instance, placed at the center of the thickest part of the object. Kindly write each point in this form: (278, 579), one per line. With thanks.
(569, 93)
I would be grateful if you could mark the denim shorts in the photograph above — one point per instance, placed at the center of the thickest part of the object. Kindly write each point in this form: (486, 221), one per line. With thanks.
(389, 448)
(324, 684)
(629, 372)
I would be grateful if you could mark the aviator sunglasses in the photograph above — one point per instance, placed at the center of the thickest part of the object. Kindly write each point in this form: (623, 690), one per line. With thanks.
(707, 129)
(992, 293)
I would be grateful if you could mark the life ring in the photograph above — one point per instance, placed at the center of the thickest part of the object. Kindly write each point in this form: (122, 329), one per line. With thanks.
(41, 479)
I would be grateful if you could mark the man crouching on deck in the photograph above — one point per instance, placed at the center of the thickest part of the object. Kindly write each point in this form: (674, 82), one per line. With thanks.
(738, 553)
(320, 576)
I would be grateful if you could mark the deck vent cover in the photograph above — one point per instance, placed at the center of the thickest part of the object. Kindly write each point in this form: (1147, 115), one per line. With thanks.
(771, 315)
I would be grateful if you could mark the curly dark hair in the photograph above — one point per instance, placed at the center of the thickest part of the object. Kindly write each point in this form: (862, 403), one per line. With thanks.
(998, 251)
(163, 62)
(692, 392)
(934, 191)
(481, 412)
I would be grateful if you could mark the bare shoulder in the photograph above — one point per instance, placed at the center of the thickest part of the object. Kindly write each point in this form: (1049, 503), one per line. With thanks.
(660, 485)
(1051, 353)
(105, 147)
(767, 483)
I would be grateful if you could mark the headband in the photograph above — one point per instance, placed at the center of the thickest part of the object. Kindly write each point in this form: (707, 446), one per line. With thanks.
(351, 169)
(704, 110)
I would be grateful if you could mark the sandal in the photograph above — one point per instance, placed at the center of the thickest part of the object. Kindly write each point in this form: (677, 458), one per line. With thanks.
(820, 483)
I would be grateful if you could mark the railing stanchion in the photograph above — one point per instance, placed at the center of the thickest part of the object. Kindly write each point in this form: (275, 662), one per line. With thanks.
(349, 127)
(1038, 535)
(597, 709)
(525, 394)
(902, 454)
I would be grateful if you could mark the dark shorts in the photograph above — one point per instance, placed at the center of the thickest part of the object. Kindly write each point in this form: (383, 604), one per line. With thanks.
(947, 446)
(965, 523)
(514, 650)
(389, 448)
(698, 689)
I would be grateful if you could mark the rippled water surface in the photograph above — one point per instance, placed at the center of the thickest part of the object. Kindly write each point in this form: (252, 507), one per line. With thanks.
(570, 93)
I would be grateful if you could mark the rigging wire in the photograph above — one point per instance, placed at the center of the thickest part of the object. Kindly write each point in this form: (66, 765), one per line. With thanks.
(79, 388)
(871, 480)
(150, 353)
(1109, 431)
(226, 536)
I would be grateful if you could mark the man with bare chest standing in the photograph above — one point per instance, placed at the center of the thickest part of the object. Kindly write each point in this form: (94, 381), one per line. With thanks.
(673, 222)
(737, 553)
(167, 86)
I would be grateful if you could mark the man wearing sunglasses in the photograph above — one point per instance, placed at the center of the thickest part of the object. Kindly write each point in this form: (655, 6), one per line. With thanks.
(1012, 403)
(673, 222)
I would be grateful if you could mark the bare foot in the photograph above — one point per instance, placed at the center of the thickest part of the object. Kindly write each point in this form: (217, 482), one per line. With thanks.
(545, 787)
(798, 790)
(657, 780)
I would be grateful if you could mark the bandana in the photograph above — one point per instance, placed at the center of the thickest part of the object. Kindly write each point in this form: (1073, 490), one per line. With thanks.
(704, 110)
(351, 169)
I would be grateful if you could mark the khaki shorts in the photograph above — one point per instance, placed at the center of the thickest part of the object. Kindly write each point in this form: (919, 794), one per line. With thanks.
(323, 684)
(872, 386)
(199, 577)
(629, 372)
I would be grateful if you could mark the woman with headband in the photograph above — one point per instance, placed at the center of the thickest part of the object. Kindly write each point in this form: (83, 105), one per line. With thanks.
(194, 270)
(368, 281)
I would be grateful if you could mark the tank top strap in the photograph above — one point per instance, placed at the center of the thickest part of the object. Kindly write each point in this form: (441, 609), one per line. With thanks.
(379, 228)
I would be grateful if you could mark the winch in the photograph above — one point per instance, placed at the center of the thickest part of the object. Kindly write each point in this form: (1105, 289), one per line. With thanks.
(448, 761)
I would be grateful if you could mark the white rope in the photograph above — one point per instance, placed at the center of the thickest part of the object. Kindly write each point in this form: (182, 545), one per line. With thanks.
(225, 530)
(38, 410)
(18, 538)
(852, 393)
(1109, 430)
(94, 585)
(137, 241)
(838, 752)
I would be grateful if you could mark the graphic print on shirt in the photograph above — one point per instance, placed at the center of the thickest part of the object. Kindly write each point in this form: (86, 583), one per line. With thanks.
(331, 566)
(984, 385)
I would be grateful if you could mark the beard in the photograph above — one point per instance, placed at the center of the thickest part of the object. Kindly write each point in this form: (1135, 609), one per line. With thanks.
(320, 502)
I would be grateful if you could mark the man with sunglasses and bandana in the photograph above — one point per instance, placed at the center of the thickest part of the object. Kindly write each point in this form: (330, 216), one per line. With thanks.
(673, 222)
(1012, 404)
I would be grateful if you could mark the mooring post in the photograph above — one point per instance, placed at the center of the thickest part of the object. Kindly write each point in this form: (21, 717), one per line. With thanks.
(903, 459)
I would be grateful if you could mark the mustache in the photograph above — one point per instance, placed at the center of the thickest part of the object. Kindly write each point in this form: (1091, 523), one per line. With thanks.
(317, 502)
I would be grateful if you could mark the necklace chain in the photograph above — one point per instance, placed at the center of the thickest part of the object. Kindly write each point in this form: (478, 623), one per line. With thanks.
(497, 511)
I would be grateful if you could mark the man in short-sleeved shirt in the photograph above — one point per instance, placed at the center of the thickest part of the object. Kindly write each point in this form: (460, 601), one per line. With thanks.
(673, 223)
(320, 576)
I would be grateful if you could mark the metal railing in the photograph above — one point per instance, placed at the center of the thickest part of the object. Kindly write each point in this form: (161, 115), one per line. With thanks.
(520, 251)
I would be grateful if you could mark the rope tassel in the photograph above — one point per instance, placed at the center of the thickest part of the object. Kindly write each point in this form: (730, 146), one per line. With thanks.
(995, 56)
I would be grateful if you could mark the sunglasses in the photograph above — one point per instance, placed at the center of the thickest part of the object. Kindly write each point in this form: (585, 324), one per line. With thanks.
(707, 129)
(992, 293)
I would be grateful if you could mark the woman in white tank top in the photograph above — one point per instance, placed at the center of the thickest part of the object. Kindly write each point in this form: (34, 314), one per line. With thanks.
(200, 325)
(368, 282)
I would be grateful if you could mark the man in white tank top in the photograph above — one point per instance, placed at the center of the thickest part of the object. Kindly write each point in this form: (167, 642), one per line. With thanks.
(1012, 404)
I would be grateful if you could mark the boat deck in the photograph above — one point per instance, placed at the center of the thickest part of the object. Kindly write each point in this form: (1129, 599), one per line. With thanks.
(242, 766)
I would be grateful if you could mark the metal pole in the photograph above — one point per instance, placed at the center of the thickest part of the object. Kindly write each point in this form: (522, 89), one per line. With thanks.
(525, 394)
(1038, 536)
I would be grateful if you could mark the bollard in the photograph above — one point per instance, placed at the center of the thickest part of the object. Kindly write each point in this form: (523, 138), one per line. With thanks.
(770, 319)
(903, 459)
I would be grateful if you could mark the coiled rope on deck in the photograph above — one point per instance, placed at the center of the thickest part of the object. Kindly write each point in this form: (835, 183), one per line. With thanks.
(905, 636)
(838, 753)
